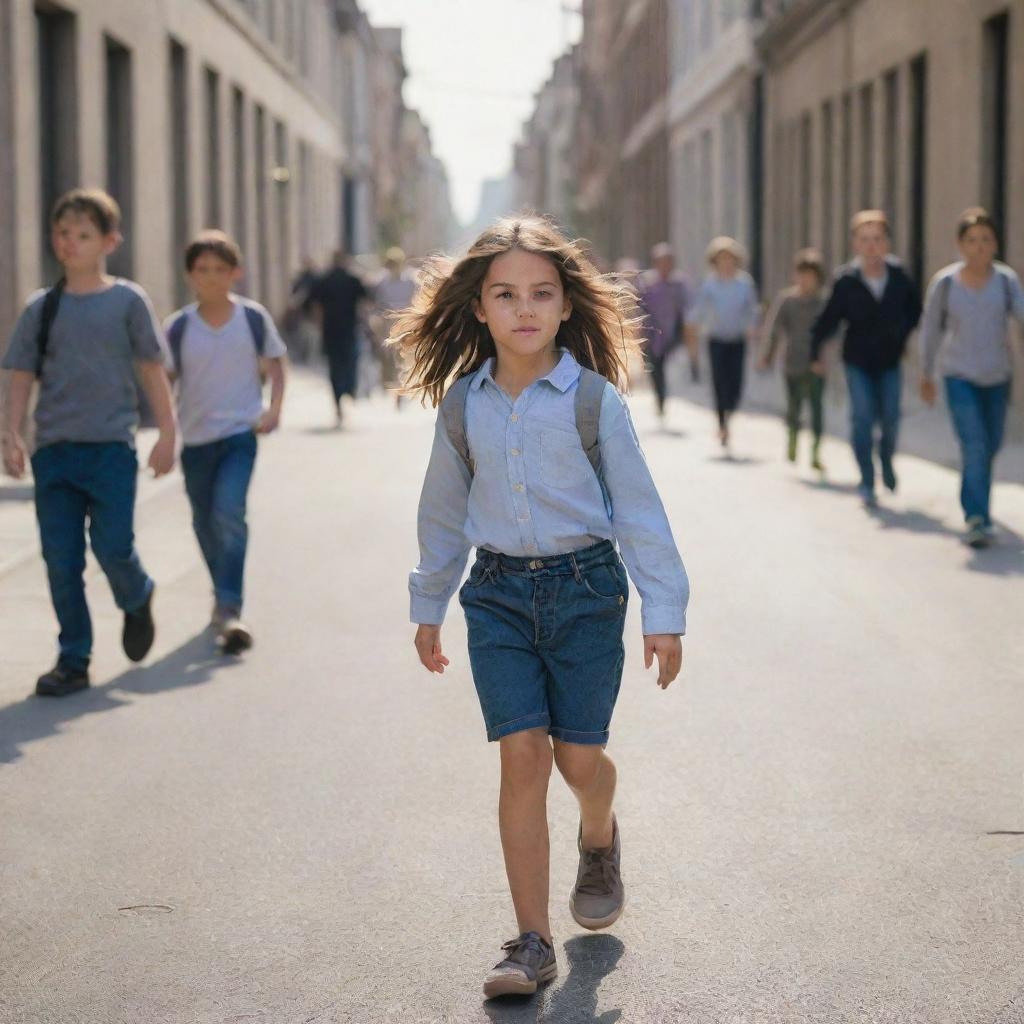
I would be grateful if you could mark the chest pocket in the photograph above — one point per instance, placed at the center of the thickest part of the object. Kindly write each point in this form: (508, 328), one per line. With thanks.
(563, 463)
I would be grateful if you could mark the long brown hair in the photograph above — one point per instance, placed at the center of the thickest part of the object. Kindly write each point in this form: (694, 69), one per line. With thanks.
(441, 339)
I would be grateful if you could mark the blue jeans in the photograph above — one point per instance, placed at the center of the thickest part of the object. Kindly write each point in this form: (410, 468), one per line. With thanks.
(874, 398)
(979, 417)
(76, 482)
(217, 479)
(545, 641)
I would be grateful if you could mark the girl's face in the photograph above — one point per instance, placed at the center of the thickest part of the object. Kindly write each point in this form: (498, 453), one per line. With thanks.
(978, 246)
(523, 303)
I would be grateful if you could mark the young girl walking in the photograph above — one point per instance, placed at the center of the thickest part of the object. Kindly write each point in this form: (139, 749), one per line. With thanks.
(535, 462)
(965, 333)
(726, 311)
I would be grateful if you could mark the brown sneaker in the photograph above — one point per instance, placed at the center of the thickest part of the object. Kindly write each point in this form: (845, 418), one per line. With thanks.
(598, 897)
(530, 962)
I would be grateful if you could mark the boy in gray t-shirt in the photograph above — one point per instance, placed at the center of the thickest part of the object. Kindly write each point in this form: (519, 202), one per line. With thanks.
(87, 340)
(220, 346)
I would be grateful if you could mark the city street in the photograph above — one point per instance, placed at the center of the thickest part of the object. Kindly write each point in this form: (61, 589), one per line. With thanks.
(822, 820)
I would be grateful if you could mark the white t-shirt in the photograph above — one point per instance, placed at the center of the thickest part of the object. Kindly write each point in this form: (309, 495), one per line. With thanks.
(219, 389)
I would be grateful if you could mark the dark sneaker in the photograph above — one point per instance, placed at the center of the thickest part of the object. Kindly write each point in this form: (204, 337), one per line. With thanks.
(598, 896)
(888, 476)
(235, 636)
(791, 446)
(62, 680)
(530, 962)
(867, 497)
(816, 463)
(139, 630)
(977, 535)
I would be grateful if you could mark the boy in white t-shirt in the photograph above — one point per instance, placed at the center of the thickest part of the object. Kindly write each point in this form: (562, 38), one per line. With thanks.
(222, 347)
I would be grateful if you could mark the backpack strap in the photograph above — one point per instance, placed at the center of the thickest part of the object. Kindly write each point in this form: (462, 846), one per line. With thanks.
(453, 409)
(589, 395)
(258, 327)
(175, 336)
(46, 317)
(944, 287)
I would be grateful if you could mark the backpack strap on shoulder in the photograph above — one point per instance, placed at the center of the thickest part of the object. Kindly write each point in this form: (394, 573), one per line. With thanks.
(453, 410)
(175, 336)
(944, 288)
(589, 395)
(257, 326)
(46, 317)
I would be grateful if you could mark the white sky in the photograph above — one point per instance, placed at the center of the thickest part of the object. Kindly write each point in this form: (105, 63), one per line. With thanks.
(474, 67)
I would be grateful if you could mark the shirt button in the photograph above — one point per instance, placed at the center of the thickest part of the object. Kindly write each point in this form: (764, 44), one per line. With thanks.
(515, 451)
(515, 418)
(519, 487)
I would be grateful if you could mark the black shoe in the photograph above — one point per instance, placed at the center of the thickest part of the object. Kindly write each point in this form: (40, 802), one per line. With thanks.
(139, 630)
(888, 476)
(62, 680)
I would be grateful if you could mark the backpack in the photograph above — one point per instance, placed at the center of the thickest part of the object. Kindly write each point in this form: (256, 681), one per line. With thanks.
(51, 303)
(589, 394)
(947, 283)
(176, 333)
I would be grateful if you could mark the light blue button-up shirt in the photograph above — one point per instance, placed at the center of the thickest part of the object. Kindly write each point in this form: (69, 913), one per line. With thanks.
(726, 308)
(535, 493)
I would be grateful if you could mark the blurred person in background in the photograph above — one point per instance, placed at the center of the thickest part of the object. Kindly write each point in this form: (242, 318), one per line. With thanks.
(394, 293)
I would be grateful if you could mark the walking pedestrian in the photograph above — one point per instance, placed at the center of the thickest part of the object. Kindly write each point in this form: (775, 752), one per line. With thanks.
(795, 310)
(965, 337)
(665, 297)
(532, 441)
(394, 293)
(726, 312)
(880, 306)
(338, 295)
(84, 340)
(221, 346)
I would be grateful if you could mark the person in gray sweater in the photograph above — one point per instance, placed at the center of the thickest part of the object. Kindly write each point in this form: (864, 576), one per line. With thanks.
(965, 338)
(792, 316)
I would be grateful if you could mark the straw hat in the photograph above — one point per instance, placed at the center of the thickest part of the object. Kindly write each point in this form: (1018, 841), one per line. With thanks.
(725, 244)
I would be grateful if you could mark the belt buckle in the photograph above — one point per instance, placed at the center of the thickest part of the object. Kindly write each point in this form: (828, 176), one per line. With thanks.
(535, 563)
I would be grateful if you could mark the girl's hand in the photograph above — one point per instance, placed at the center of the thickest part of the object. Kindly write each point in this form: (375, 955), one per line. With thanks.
(428, 647)
(669, 649)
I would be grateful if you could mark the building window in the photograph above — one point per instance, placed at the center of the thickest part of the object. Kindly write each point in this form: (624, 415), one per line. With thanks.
(282, 187)
(305, 191)
(846, 163)
(806, 189)
(867, 146)
(178, 144)
(918, 165)
(730, 173)
(120, 178)
(707, 193)
(827, 180)
(241, 182)
(211, 83)
(891, 154)
(995, 115)
(58, 120)
(259, 168)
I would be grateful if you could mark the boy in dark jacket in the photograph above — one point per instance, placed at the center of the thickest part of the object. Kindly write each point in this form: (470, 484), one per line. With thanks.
(880, 306)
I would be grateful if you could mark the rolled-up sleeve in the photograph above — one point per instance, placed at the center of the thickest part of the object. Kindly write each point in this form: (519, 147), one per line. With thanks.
(441, 530)
(640, 523)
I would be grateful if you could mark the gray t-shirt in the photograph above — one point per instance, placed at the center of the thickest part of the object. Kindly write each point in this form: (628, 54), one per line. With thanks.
(88, 388)
(792, 319)
(219, 391)
(974, 344)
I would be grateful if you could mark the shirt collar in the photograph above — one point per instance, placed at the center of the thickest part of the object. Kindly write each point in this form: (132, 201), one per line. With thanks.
(563, 376)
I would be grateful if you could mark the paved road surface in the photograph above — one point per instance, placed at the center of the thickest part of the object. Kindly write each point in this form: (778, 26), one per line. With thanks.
(823, 821)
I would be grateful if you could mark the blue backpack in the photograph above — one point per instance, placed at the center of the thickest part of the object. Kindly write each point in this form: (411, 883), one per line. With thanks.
(254, 317)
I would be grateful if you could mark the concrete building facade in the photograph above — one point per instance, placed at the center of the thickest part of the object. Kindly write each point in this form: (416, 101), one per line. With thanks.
(257, 116)
(713, 121)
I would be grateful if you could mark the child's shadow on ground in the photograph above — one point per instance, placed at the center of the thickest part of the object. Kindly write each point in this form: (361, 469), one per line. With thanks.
(591, 959)
(34, 718)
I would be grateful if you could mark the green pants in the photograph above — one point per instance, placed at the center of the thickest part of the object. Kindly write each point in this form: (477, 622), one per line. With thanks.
(807, 386)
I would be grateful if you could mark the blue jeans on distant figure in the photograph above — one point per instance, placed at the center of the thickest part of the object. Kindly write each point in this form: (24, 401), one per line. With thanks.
(76, 482)
(874, 398)
(217, 479)
(979, 417)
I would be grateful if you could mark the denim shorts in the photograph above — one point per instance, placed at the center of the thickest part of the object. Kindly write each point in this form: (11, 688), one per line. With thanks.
(545, 641)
